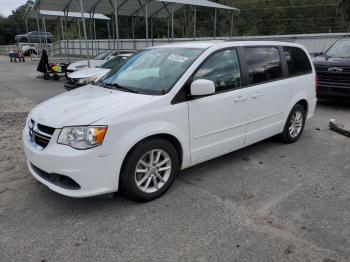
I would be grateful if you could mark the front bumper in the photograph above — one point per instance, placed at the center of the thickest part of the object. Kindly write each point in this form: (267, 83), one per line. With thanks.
(94, 173)
(333, 91)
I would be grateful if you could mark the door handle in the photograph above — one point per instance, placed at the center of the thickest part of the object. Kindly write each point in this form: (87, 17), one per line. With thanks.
(256, 95)
(240, 99)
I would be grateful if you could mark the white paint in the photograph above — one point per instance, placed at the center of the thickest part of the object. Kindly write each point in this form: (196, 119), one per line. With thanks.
(206, 127)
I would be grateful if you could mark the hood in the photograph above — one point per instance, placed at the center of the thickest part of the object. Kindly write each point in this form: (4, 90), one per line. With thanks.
(86, 105)
(325, 60)
(86, 73)
(83, 64)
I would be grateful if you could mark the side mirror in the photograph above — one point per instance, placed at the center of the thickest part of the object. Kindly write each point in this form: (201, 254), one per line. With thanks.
(202, 87)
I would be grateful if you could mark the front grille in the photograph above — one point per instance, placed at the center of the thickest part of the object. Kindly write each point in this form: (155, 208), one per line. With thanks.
(46, 129)
(40, 134)
(337, 81)
(56, 179)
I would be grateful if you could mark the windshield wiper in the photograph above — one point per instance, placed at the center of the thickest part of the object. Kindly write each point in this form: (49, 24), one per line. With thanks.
(118, 87)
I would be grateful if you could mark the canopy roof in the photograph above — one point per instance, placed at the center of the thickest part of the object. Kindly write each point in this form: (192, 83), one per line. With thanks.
(159, 8)
(55, 14)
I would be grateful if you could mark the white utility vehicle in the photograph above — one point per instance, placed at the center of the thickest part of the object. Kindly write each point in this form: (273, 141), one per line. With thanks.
(94, 74)
(95, 61)
(166, 109)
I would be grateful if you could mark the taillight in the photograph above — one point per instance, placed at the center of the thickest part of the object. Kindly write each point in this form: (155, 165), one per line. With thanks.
(316, 83)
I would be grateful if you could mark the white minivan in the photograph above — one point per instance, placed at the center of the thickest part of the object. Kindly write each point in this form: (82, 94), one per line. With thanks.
(166, 109)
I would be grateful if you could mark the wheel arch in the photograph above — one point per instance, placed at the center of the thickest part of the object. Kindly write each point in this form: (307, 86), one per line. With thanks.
(305, 104)
(170, 138)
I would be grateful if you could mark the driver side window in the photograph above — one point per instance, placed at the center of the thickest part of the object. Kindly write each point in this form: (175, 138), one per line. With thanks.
(223, 69)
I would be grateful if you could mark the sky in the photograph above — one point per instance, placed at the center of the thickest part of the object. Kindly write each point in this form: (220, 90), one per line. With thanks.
(6, 6)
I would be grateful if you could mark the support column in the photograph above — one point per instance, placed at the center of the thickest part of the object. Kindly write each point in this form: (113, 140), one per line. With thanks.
(133, 32)
(116, 24)
(37, 21)
(46, 43)
(215, 18)
(81, 7)
(79, 35)
(63, 38)
(168, 30)
(113, 33)
(151, 31)
(67, 41)
(96, 43)
(194, 23)
(109, 36)
(231, 35)
(91, 33)
(26, 21)
(146, 21)
(172, 23)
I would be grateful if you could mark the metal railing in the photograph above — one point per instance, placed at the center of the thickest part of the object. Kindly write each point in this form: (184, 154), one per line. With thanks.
(76, 48)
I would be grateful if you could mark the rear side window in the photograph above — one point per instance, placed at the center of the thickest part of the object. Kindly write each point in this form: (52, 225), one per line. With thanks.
(298, 62)
(264, 64)
(223, 69)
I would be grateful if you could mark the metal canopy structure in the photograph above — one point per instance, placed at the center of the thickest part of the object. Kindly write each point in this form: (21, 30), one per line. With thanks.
(63, 18)
(131, 8)
(53, 15)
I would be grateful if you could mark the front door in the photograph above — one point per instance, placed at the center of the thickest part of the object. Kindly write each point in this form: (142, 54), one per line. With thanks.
(217, 122)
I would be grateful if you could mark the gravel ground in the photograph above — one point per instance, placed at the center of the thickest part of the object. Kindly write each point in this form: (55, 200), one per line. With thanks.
(267, 202)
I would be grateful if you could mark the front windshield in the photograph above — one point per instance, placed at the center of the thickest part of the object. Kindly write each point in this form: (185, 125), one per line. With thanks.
(101, 56)
(340, 49)
(152, 71)
(114, 62)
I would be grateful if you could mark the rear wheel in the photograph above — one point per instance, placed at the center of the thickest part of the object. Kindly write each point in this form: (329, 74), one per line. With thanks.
(295, 125)
(149, 169)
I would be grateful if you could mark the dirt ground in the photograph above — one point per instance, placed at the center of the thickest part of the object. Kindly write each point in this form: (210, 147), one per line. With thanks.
(267, 202)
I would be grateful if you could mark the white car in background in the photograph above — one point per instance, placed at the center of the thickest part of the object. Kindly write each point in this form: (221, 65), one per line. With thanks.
(94, 74)
(96, 61)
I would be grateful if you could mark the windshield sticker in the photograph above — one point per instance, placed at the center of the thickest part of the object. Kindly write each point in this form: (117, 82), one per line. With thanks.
(177, 58)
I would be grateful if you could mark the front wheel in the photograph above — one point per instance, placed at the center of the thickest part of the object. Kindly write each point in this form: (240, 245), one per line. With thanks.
(149, 169)
(295, 125)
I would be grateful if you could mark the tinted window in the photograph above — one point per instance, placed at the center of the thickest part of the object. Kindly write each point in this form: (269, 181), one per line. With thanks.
(298, 62)
(223, 69)
(264, 64)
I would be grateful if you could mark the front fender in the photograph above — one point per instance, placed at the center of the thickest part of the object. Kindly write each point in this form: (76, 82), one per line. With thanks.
(129, 139)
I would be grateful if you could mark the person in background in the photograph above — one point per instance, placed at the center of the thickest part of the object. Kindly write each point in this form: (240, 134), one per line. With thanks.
(44, 63)
(13, 56)
(20, 56)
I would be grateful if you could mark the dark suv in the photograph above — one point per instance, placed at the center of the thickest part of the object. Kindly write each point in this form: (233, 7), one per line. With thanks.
(333, 70)
(34, 37)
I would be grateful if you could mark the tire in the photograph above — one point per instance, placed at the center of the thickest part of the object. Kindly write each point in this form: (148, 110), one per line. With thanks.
(56, 77)
(46, 76)
(297, 118)
(140, 186)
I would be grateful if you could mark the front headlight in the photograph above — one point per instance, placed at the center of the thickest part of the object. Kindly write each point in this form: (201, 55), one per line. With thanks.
(82, 137)
(86, 81)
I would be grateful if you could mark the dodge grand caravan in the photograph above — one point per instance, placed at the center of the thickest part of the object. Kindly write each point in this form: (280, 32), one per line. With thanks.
(166, 109)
